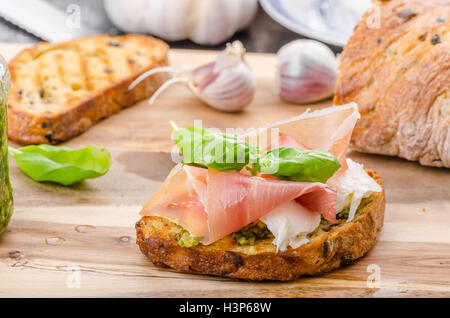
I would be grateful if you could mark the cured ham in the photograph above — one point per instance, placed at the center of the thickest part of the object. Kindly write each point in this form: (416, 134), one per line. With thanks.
(212, 204)
(235, 200)
(177, 200)
(286, 141)
(328, 129)
(231, 199)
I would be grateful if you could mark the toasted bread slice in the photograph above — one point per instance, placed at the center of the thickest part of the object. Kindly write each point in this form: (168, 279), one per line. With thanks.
(330, 246)
(59, 90)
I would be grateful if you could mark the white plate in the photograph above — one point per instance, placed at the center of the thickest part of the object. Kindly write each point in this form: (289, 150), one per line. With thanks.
(330, 21)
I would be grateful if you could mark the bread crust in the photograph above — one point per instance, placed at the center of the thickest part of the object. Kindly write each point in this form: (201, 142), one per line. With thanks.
(28, 127)
(398, 72)
(342, 245)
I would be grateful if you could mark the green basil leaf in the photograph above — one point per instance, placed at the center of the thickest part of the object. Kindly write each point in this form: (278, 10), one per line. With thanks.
(297, 164)
(61, 164)
(254, 156)
(208, 148)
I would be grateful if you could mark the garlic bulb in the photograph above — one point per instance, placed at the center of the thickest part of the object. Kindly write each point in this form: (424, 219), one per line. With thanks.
(307, 71)
(226, 84)
(203, 21)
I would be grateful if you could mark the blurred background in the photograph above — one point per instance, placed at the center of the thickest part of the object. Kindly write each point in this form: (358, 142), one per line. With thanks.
(269, 23)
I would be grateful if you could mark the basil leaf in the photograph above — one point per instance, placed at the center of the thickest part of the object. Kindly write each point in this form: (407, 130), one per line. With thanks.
(254, 156)
(61, 164)
(208, 148)
(297, 164)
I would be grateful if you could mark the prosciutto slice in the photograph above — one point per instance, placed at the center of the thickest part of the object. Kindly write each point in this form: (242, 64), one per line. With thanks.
(211, 204)
(286, 141)
(235, 200)
(178, 201)
(328, 129)
(231, 199)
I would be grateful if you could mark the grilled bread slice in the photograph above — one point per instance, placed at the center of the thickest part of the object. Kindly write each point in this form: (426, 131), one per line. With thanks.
(330, 246)
(59, 90)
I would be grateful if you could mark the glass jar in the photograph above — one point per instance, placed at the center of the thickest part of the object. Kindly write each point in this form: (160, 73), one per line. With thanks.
(6, 198)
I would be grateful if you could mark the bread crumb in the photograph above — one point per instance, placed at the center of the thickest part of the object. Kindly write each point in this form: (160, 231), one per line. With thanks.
(423, 210)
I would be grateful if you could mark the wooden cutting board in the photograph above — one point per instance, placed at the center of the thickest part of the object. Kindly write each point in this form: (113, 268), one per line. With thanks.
(46, 251)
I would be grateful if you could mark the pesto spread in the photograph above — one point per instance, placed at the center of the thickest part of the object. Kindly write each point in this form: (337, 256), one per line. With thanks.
(187, 240)
(6, 198)
(251, 233)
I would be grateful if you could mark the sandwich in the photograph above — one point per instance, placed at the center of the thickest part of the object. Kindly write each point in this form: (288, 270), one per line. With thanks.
(274, 203)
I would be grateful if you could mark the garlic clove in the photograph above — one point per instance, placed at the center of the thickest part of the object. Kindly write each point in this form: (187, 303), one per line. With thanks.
(307, 71)
(228, 83)
(203, 76)
(230, 90)
(232, 55)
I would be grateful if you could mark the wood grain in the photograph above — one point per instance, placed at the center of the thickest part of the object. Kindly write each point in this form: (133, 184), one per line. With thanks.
(413, 252)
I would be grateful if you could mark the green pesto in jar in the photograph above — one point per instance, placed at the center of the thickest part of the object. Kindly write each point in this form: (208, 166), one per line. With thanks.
(6, 198)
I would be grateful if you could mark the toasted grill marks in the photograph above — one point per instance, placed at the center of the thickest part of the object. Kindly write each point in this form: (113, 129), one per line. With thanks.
(108, 69)
(59, 60)
(400, 84)
(38, 80)
(326, 251)
(85, 72)
(75, 84)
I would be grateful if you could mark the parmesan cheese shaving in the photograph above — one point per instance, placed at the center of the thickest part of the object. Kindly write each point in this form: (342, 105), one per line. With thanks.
(290, 223)
(351, 187)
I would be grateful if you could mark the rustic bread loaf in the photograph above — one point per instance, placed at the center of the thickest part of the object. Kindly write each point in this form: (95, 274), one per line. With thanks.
(59, 90)
(330, 246)
(396, 66)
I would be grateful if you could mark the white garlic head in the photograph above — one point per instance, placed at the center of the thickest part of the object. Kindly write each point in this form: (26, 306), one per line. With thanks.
(203, 21)
(306, 71)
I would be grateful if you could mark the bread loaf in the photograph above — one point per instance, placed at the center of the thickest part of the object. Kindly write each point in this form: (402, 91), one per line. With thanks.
(396, 66)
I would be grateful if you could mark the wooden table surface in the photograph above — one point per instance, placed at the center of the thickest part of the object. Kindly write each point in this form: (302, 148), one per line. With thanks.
(412, 254)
